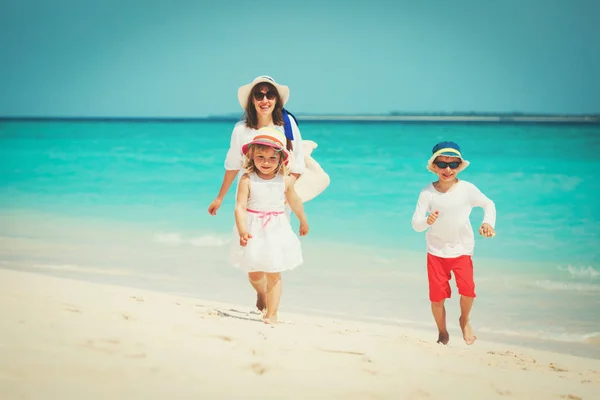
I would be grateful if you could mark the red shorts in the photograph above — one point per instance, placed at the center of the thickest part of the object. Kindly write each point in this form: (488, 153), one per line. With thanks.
(438, 272)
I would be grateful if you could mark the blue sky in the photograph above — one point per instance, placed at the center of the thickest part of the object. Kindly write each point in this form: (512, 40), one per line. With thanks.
(185, 58)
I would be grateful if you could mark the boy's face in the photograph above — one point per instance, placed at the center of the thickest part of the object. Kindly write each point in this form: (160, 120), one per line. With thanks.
(266, 160)
(446, 167)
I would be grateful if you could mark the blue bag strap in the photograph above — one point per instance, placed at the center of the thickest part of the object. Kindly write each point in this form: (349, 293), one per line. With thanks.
(287, 126)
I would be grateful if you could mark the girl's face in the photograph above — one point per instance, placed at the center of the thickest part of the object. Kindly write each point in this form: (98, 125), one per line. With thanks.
(266, 160)
(446, 167)
(264, 98)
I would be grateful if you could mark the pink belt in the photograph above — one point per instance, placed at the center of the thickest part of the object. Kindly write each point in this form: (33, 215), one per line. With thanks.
(266, 215)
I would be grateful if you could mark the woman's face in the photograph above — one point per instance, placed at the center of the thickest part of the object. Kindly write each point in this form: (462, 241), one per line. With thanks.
(264, 98)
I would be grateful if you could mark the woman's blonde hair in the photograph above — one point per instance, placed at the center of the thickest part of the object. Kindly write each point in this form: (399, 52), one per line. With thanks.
(248, 165)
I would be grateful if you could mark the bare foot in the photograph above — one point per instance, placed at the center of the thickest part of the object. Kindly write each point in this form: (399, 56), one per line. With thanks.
(270, 320)
(443, 338)
(467, 331)
(261, 304)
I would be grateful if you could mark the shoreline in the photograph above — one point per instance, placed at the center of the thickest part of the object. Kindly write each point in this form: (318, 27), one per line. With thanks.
(92, 251)
(70, 339)
(588, 349)
(79, 252)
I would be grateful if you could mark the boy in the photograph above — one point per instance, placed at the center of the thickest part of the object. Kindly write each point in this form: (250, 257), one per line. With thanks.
(450, 239)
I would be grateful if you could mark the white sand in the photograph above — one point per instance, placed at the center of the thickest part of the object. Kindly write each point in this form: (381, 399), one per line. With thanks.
(66, 339)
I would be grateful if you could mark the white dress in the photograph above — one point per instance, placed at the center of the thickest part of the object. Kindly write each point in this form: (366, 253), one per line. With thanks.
(274, 247)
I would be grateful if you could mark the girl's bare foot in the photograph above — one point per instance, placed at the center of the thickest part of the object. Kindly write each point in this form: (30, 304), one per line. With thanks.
(467, 331)
(261, 304)
(443, 337)
(270, 319)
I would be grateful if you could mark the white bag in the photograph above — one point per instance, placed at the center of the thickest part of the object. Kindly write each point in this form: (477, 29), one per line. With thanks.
(314, 180)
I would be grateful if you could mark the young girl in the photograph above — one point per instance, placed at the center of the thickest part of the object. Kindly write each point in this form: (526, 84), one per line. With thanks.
(267, 245)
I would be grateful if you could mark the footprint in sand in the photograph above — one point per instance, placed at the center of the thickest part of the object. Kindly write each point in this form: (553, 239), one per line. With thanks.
(223, 338)
(354, 353)
(502, 392)
(571, 397)
(553, 367)
(370, 367)
(139, 299)
(258, 368)
(419, 394)
(346, 331)
(214, 313)
(136, 355)
(108, 346)
(522, 361)
(71, 308)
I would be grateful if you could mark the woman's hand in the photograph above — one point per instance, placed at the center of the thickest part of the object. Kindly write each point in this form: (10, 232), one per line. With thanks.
(214, 206)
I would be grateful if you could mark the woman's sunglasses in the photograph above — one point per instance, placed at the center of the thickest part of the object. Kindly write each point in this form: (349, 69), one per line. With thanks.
(258, 96)
(444, 164)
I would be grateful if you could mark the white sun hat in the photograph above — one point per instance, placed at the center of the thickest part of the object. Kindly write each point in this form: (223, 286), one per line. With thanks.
(244, 91)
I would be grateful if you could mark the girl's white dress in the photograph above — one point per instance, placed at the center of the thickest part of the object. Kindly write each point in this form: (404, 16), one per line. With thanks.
(274, 247)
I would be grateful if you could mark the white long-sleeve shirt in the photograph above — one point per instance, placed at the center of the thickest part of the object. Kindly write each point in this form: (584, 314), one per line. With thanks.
(451, 235)
(242, 134)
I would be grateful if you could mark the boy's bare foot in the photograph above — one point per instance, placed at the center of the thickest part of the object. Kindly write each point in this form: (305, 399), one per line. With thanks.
(467, 331)
(261, 304)
(443, 338)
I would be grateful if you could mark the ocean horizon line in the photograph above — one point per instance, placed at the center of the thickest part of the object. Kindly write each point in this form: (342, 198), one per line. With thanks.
(394, 117)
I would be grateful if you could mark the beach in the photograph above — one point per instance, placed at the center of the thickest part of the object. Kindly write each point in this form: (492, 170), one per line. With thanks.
(68, 339)
(114, 280)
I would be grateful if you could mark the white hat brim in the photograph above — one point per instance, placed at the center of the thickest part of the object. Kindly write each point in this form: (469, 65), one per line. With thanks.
(244, 91)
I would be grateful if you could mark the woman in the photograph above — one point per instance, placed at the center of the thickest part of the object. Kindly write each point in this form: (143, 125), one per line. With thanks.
(263, 100)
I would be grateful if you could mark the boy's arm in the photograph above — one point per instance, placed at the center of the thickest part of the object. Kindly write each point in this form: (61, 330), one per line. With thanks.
(419, 219)
(296, 204)
(478, 199)
(241, 204)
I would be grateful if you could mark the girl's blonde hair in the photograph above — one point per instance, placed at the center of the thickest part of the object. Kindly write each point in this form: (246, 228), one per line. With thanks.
(248, 165)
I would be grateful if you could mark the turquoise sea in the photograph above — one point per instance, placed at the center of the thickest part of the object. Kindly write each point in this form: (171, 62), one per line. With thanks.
(125, 202)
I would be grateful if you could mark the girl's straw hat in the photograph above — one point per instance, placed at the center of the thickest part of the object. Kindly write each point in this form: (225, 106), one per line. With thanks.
(269, 136)
(244, 91)
(449, 149)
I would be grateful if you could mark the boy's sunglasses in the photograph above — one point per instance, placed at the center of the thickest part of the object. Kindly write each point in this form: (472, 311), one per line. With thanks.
(258, 96)
(444, 164)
